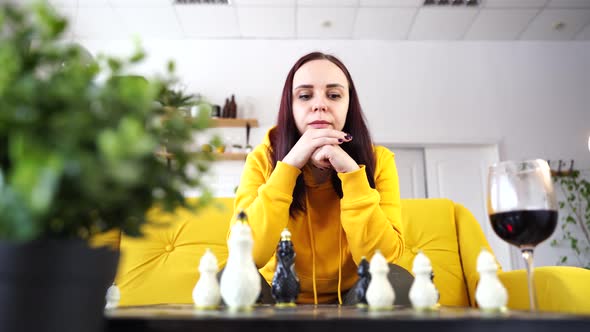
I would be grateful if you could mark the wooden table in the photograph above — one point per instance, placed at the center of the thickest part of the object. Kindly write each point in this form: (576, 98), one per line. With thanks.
(324, 318)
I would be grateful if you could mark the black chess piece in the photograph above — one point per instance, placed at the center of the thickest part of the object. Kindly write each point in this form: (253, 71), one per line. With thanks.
(360, 287)
(285, 283)
(432, 279)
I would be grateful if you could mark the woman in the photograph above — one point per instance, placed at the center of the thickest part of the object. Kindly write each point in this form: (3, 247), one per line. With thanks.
(318, 174)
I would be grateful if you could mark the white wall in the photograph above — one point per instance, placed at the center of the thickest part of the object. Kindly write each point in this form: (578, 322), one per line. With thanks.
(532, 98)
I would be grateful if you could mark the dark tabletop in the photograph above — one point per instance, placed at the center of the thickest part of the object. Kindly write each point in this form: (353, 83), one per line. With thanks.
(325, 318)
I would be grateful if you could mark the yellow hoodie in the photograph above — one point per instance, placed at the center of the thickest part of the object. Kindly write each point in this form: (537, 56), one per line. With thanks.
(332, 236)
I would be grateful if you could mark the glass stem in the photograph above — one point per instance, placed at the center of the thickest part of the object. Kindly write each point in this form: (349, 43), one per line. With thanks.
(527, 254)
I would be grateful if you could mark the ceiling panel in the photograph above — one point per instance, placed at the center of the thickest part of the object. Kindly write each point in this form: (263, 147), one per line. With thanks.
(500, 24)
(140, 22)
(515, 3)
(324, 23)
(584, 34)
(210, 21)
(330, 19)
(140, 3)
(557, 24)
(258, 22)
(391, 3)
(383, 23)
(269, 3)
(328, 3)
(79, 3)
(569, 4)
(98, 23)
(442, 23)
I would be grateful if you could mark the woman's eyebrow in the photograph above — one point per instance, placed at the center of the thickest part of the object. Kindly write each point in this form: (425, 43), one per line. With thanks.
(304, 86)
(310, 86)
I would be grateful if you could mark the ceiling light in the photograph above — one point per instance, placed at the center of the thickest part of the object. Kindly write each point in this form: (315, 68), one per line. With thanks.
(558, 26)
(456, 3)
(202, 2)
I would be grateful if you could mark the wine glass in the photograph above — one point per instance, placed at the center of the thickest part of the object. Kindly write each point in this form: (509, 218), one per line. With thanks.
(522, 208)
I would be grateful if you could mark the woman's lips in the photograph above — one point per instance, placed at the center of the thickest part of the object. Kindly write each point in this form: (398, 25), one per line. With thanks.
(319, 124)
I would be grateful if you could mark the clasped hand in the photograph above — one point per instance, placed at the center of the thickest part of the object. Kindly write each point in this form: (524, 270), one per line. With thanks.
(322, 148)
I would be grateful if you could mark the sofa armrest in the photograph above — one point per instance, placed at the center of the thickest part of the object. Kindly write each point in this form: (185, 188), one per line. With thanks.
(111, 239)
(559, 289)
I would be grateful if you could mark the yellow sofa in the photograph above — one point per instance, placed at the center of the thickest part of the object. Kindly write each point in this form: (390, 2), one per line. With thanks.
(161, 267)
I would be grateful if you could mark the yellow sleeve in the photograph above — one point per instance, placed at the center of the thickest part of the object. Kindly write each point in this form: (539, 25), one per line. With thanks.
(265, 195)
(371, 218)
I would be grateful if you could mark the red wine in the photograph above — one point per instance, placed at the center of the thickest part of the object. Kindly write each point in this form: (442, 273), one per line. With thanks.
(524, 227)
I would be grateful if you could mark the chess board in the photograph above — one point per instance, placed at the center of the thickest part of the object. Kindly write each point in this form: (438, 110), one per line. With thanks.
(335, 318)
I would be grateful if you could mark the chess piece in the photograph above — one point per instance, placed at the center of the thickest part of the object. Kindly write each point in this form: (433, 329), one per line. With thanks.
(240, 280)
(380, 294)
(437, 292)
(285, 283)
(206, 292)
(423, 294)
(361, 285)
(113, 297)
(490, 294)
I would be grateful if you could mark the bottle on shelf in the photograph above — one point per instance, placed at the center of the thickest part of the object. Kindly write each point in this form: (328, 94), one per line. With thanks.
(225, 113)
(233, 107)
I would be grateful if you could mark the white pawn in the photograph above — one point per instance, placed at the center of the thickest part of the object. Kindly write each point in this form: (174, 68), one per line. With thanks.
(240, 281)
(490, 294)
(423, 294)
(206, 292)
(113, 297)
(380, 294)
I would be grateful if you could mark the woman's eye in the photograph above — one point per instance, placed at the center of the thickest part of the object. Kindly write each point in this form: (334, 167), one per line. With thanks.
(304, 96)
(334, 95)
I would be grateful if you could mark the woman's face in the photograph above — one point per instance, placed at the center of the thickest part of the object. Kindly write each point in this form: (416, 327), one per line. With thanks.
(320, 96)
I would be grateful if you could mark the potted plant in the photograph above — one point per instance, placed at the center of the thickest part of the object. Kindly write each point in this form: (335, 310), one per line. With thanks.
(574, 210)
(78, 143)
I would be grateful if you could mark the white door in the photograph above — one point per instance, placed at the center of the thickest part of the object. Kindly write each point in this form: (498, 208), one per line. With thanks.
(460, 174)
(410, 168)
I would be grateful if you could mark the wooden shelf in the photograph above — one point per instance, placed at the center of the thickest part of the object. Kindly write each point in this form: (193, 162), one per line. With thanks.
(221, 123)
(240, 156)
(226, 122)
(231, 156)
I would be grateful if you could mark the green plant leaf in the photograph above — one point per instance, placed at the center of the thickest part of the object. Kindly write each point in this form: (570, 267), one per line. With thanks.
(77, 153)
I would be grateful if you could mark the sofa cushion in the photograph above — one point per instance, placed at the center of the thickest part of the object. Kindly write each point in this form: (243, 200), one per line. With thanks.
(558, 289)
(429, 226)
(162, 266)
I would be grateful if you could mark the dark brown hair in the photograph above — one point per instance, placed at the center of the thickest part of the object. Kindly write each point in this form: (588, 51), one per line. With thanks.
(284, 136)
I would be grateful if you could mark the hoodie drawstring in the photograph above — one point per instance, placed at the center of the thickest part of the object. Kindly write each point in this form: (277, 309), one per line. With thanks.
(340, 265)
(315, 292)
(312, 240)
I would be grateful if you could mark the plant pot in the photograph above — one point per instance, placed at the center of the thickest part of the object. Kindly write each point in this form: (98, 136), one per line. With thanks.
(54, 285)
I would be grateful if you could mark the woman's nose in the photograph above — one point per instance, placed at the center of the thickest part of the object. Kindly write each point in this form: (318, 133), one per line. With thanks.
(319, 107)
